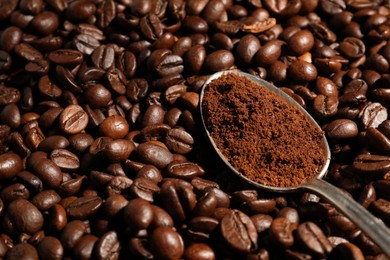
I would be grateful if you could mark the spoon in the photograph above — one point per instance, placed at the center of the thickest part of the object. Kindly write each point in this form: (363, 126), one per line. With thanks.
(370, 225)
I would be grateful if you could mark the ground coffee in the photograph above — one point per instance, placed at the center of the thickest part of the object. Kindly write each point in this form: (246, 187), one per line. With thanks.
(262, 136)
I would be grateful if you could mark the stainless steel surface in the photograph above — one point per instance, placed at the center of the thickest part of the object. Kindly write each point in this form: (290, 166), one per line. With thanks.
(370, 225)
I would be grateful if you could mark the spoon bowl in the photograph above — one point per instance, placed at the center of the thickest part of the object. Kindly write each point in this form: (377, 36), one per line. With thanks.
(370, 225)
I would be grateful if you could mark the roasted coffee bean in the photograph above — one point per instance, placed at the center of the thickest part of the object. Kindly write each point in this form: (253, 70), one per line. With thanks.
(136, 89)
(84, 247)
(118, 185)
(108, 246)
(45, 199)
(184, 170)
(53, 142)
(10, 165)
(118, 150)
(151, 153)
(269, 53)
(219, 60)
(14, 192)
(66, 160)
(194, 59)
(281, 232)
(73, 119)
(72, 233)
(166, 243)
(83, 207)
(97, 96)
(310, 236)
(57, 219)
(138, 214)
(239, 231)
(103, 57)
(30, 180)
(144, 189)
(24, 216)
(9, 95)
(199, 251)
(114, 126)
(114, 204)
(48, 172)
(22, 250)
(341, 129)
(371, 164)
(302, 71)
(50, 248)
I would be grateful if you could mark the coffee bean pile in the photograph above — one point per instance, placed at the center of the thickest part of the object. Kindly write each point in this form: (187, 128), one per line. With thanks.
(102, 154)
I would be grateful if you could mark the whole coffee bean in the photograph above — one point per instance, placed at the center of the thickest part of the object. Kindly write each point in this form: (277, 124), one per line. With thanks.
(97, 96)
(48, 172)
(84, 247)
(179, 141)
(269, 53)
(103, 57)
(114, 126)
(281, 232)
(10, 165)
(57, 219)
(144, 189)
(72, 233)
(219, 60)
(184, 170)
(84, 207)
(108, 246)
(166, 243)
(13, 192)
(239, 231)
(80, 142)
(302, 71)
(50, 248)
(53, 142)
(46, 199)
(66, 57)
(246, 49)
(153, 115)
(194, 59)
(352, 47)
(22, 251)
(151, 27)
(24, 216)
(65, 159)
(138, 214)
(154, 154)
(161, 218)
(137, 89)
(262, 222)
(10, 115)
(10, 37)
(341, 129)
(9, 95)
(118, 150)
(45, 22)
(301, 42)
(114, 204)
(373, 115)
(73, 119)
(30, 180)
(310, 236)
(199, 251)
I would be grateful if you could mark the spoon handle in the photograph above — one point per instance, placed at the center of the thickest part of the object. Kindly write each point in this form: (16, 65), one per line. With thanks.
(370, 225)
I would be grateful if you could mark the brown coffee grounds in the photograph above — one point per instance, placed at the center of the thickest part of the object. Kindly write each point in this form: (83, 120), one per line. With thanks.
(265, 138)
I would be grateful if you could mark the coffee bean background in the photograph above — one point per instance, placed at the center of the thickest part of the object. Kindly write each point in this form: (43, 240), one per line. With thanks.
(102, 153)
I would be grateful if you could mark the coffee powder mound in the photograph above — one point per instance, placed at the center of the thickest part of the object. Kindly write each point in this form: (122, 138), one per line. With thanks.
(261, 135)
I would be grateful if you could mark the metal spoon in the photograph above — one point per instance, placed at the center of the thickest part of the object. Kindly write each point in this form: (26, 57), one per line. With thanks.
(370, 225)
